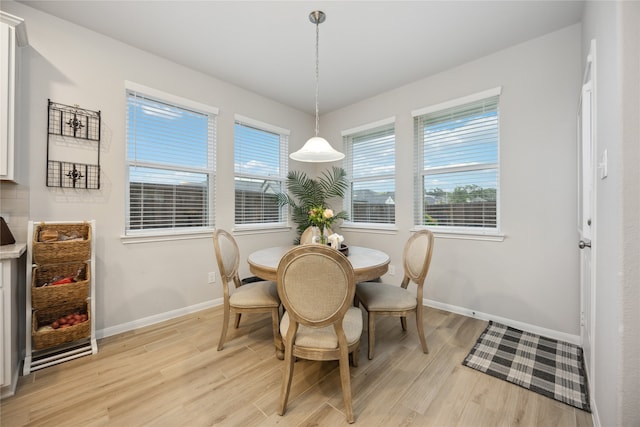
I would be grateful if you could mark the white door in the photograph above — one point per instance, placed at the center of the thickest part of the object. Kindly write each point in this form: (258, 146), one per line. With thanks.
(586, 214)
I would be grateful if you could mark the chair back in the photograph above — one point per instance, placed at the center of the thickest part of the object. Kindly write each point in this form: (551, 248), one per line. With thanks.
(227, 255)
(307, 235)
(417, 256)
(316, 285)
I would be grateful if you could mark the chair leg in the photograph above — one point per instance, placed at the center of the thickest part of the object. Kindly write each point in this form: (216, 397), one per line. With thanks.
(287, 376)
(275, 326)
(238, 315)
(403, 322)
(420, 325)
(372, 333)
(355, 356)
(225, 325)
(345, 379)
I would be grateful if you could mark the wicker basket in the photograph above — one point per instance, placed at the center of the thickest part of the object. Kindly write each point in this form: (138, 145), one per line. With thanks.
(54, 337)
(62, 250)
(50, 296)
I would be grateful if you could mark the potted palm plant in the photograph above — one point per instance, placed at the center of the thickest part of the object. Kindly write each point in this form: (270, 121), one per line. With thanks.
(307, 195)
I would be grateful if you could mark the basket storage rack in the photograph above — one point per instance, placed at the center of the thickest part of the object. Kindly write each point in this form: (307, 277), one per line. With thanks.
(45, 348)
(44, 339)
(61, 294)
(62, 251)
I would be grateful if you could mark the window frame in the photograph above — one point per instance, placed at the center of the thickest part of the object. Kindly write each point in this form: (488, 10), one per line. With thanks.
(347, 138)
(456, 232)
(171, 233)
(283, 168)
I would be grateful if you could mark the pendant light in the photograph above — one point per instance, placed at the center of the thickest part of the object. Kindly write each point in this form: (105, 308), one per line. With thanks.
(317, 149)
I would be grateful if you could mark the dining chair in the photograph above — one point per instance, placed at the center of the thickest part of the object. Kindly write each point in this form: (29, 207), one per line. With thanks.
(307, 234)
(316, 285)
(248, 297)
(382, 299)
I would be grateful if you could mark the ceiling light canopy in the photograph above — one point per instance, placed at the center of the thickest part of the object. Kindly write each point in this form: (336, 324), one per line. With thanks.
(317, 149)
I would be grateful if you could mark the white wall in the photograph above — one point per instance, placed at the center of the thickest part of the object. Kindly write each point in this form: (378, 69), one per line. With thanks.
(629, 15)
(532, 276)
(614, 26)
(72, 65)
(14, 208)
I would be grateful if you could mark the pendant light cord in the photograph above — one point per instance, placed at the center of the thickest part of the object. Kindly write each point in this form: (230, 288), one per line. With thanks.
(317, 74)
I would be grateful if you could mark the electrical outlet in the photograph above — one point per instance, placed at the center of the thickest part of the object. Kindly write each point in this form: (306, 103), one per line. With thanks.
(212, 277)
(392, 270)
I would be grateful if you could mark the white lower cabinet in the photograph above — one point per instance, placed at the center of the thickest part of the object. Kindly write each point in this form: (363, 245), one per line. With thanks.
(11, 301)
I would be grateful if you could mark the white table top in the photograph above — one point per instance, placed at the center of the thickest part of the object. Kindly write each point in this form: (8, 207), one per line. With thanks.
(367, 263)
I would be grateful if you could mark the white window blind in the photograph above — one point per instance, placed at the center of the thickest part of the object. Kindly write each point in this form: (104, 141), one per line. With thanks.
(370, 165)
(260, 172)
(170, 157)
(457, 166)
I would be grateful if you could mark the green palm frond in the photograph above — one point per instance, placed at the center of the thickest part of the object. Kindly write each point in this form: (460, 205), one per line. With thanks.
(302, 187)
(306, 193)
(335, 183)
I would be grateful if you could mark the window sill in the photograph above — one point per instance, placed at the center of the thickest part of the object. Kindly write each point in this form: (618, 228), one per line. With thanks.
(166, 236)
(464, 234)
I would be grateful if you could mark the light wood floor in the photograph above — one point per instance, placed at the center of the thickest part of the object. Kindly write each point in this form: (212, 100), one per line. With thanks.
(170, 374)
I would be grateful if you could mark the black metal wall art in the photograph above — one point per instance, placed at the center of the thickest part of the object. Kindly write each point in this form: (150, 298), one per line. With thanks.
(74, 128)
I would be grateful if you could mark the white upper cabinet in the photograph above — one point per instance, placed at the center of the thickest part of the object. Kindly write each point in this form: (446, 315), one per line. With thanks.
(13, 35)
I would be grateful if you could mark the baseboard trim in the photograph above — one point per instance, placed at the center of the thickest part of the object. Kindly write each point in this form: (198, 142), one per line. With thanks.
(10, 389)
(549, 333)
(151, 320)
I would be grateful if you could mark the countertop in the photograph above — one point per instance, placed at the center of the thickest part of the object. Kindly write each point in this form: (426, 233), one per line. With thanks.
(12, 251)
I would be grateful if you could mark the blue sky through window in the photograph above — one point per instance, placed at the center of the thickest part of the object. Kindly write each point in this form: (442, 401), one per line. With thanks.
(465, 142)
(375, 155)
(164, 135)
(259, 152)
(471, 140)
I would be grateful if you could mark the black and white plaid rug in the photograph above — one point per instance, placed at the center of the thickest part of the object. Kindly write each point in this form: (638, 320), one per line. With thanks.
(549, 367)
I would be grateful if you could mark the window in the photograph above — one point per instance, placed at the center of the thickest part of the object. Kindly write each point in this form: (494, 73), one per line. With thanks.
(457, 166)
(260, 172)
(370, 161)
(170, 159)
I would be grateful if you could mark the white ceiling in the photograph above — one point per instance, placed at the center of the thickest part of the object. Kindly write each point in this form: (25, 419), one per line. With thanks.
(366, 47)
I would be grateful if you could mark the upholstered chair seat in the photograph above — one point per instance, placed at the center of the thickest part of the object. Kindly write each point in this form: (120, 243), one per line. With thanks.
(263, 293)
(383, 297)
(326, 337)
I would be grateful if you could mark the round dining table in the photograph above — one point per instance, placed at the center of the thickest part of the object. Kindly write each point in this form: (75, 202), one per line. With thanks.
(368, 264)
